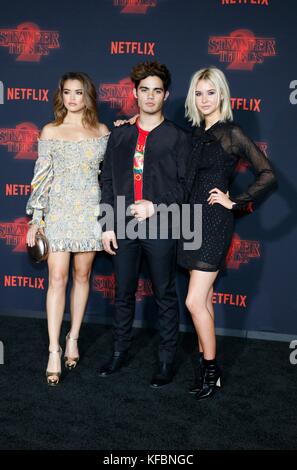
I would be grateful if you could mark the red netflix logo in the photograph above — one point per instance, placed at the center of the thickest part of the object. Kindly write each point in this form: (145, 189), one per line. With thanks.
(24, 94)
(242, 251)
(236, 300)
(242, 49)
(14, 233)
(132, 47)
(106, 285)
(22, 140)
(135, 6)
(246, 2)
(28, 42)
(120, 96)
(246, 104)
(27, 94)
(14, 189)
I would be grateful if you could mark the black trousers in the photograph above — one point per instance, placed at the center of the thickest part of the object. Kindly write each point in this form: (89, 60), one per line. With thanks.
(161, 259)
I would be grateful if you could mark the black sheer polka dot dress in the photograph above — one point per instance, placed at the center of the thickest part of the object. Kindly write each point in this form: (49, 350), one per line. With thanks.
(215, 154)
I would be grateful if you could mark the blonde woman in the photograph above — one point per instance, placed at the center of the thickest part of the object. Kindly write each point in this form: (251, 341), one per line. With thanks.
(218, 144)
(65, 204)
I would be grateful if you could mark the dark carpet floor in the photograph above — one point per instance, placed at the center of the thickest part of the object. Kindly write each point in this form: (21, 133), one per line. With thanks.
(256, 408)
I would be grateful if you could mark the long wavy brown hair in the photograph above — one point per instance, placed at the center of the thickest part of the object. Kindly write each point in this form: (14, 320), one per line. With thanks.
(90, 116)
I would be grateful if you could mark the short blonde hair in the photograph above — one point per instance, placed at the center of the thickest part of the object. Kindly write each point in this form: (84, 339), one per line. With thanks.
(219, 81)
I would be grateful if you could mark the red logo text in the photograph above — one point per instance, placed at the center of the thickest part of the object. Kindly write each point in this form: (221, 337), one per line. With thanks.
(135, 6)
(237, 300)
(14, 189)
(27, 94)
(28, 42)
(106, 285)
(245, 2)
(246, 104)
(23, 281)
(119, 96)
(241, 49)
(242, 251)
(22, 140)
(14, 233)
(132, 47)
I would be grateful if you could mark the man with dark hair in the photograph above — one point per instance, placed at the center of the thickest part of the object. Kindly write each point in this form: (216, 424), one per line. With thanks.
(151, 69)
(145, 162)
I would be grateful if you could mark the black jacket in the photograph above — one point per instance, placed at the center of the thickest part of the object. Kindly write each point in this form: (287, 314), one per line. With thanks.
(165, 158)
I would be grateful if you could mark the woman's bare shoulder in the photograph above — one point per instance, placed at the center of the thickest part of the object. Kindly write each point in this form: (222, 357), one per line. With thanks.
(102, 129)
(49, 131)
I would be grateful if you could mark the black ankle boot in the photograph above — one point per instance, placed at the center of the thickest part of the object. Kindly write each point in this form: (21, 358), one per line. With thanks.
(163, 375)
(114, 364)
(198, 364)
(211, 380)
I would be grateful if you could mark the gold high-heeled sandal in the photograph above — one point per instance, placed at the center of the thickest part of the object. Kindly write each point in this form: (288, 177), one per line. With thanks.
(57, 375)
(70, 362)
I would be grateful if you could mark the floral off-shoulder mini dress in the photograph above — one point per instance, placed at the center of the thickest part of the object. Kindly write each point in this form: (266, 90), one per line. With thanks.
(66, 194)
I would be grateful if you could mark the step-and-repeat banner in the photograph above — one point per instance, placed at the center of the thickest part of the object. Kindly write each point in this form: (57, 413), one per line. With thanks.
(253, 41)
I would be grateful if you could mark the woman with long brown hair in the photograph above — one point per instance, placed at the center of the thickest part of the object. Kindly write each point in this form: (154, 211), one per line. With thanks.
(64, 203)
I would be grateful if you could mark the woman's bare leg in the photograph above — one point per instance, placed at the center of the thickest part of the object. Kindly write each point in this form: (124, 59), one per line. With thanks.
(58, 267)
(199, 303)
(211, 311)
(82, 267)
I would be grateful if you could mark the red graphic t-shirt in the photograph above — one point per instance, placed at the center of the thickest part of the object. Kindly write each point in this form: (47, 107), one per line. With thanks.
(138, 162)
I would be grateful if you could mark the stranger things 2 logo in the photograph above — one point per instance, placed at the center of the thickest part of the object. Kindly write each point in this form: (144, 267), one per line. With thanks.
(135, 6)
(242, 50)
(28, 42)
(242, 252)
(106, 286)
(21, 140)
(119, 96)
(14, 234)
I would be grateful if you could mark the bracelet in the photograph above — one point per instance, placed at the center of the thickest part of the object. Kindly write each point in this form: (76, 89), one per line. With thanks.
(39, 222)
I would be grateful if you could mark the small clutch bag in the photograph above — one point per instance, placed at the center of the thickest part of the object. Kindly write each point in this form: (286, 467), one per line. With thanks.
(39, 252)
